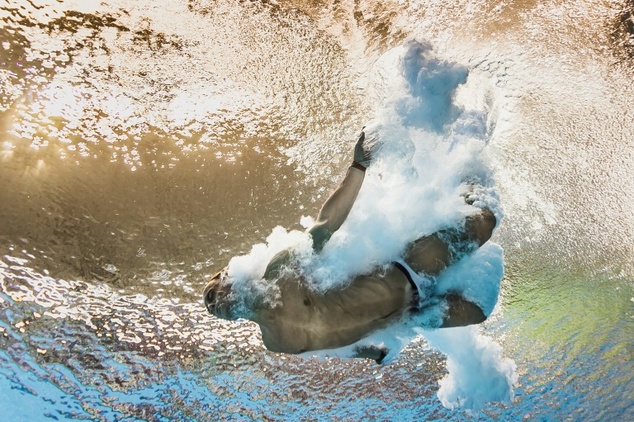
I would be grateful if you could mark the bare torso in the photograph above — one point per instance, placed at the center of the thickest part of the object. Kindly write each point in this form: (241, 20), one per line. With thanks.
(307, 319)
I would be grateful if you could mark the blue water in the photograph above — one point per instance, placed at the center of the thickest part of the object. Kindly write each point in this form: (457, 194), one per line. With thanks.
(143, 144)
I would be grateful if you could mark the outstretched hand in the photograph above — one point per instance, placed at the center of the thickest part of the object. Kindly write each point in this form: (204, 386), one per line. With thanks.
(365, 149)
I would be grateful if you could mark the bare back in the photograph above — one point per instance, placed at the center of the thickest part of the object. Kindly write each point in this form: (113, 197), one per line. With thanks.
(308, 319)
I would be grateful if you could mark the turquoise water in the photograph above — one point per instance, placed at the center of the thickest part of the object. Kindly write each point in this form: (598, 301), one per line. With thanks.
(143, 144)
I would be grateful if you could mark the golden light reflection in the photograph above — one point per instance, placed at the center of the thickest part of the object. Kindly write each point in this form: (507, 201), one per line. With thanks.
(7, 151)
(37, 168)
(61, 101)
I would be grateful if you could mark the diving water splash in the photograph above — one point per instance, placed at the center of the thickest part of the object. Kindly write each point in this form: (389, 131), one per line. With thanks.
(396, 253)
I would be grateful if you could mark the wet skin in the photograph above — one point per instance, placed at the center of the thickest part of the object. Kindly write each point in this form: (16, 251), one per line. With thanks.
(308, 320)
(304, 319)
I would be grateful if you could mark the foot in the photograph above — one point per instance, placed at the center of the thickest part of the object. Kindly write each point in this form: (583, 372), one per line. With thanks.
(461, 312)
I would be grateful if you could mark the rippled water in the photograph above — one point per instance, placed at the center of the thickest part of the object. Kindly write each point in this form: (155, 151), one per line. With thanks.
(143, 144)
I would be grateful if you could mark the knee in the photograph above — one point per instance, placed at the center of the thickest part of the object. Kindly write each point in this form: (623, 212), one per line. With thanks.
(480, 226)
(487, 225)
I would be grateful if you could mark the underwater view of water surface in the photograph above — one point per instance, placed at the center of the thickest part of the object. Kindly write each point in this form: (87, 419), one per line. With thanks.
(144, 144)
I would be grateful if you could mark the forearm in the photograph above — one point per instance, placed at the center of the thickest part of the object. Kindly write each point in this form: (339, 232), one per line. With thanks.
(336, 209)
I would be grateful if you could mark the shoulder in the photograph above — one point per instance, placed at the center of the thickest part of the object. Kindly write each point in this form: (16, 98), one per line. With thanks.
(282, 259)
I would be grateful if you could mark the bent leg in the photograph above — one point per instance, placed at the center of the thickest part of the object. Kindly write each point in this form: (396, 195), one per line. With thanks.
(431, 254)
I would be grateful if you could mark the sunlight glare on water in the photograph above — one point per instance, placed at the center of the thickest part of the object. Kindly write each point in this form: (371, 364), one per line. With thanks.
(145, 143)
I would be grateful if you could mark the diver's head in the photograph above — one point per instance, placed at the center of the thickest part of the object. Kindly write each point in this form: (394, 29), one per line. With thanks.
(215, 295)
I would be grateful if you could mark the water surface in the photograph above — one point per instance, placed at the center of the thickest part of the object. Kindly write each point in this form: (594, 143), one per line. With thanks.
(143, 144)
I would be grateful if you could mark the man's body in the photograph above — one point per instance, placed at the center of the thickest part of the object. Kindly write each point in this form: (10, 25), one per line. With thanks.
(306, 319)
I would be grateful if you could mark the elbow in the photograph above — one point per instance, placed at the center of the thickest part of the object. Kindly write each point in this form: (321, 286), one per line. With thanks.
(320, 235)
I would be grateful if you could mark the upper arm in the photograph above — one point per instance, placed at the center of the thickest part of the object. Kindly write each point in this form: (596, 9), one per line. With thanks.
(281, 259)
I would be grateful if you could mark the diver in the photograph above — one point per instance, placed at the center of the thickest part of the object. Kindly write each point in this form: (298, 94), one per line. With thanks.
(303, 318)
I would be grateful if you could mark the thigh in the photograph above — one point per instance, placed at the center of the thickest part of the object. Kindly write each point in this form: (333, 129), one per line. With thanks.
(431, 254)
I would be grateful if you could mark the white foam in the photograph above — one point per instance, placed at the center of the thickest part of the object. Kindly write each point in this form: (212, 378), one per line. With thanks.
(477, 276)
(478, 373)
